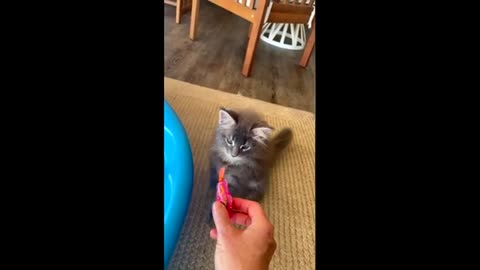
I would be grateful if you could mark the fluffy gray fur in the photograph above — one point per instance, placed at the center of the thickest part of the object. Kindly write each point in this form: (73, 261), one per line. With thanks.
(244, 144)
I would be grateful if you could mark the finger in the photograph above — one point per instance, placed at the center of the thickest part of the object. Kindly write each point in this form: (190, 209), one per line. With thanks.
(241, 219)
(213, 234)
(251, 208)
(220, 217)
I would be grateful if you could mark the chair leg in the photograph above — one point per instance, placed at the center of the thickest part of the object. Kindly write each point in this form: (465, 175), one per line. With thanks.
(179, 11)
(307, 52)
(253, 38)
(252, 46)
(194, 19)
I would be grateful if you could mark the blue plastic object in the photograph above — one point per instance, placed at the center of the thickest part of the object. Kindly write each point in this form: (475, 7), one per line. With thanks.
(177, 178)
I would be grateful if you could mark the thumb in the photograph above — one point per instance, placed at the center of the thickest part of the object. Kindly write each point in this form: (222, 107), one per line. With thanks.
(221, 219)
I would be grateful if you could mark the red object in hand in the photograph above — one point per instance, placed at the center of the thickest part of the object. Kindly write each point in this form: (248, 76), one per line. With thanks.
(223, 194)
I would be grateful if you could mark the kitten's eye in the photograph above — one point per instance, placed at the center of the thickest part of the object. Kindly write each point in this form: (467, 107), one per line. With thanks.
(229, 141)
(245, 148)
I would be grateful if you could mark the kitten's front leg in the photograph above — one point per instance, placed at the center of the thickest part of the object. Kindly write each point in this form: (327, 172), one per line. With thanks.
(234, 187)
(213, 178)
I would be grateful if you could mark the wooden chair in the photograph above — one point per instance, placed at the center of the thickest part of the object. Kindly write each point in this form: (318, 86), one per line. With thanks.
(254, 12)
(182, 7)
(295, 11)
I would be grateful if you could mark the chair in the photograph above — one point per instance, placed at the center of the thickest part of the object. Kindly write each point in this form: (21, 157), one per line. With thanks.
(182, 7)
(283, 11)
(294, 12)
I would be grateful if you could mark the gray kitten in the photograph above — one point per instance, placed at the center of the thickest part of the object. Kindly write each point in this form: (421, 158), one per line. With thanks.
(243, 144)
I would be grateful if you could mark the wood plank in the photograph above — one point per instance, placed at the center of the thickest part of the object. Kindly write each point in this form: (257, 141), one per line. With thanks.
(288, 18)
(170, 2)
(291, 9)
(238, 9)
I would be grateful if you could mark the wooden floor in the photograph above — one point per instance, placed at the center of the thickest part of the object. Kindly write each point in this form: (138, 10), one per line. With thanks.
(215, 60)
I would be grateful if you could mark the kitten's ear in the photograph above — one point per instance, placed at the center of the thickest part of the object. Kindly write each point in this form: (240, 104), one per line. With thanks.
(226, 118)
(261, 134)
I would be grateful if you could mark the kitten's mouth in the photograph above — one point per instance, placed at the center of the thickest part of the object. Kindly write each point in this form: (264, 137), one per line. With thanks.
(231, 159)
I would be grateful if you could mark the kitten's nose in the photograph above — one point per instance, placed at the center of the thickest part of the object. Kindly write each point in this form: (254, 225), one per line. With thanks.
(234, 152)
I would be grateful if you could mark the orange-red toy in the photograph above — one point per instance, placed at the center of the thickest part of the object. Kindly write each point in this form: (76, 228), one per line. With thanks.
(223, 194)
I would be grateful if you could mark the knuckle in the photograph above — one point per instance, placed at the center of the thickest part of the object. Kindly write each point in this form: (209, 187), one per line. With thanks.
(269, 231)
(274, 244)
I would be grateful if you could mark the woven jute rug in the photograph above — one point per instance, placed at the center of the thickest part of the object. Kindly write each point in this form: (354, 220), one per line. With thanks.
(290, 198)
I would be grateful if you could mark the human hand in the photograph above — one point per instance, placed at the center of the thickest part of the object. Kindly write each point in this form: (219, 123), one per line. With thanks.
(248, 249)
